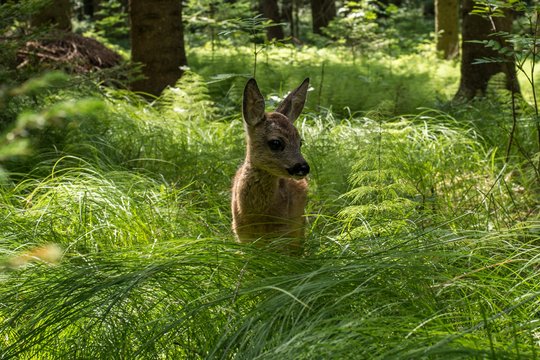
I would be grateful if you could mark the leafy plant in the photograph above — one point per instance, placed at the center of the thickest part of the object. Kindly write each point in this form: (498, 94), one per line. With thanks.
(112, 21)
(402, 184)
(355, 26)
(521, 48)
(211, 18)
(255, 29)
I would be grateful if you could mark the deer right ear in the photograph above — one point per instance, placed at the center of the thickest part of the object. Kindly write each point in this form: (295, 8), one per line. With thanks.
(293, 104)
(252, 104)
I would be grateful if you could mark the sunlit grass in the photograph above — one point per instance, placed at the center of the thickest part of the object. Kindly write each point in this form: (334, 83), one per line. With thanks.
(402, 83)
(420, 243)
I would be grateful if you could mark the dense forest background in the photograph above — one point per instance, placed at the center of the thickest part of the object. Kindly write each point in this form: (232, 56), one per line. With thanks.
(120, 132)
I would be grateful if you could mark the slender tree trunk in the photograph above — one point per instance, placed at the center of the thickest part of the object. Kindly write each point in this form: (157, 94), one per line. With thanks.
(56, 13)
(287, 12)
(447, 27)
(322, 12)
(296, 17)
(90, 7)
(474, 78)
(270, 10)
(157, 41)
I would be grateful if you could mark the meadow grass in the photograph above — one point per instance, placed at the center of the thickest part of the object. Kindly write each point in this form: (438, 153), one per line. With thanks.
(421, 242)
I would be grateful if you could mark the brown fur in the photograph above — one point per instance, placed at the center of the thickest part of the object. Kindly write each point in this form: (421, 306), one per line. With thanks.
(267, 201)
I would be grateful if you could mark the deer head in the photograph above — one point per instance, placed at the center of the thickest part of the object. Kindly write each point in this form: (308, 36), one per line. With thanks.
(273, 143)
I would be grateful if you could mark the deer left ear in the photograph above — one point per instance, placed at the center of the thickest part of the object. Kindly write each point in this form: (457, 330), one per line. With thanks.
(293, 104)
(252, 104)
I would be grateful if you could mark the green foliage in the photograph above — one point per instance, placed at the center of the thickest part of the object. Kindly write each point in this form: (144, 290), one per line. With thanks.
(14, 32)
(235, 24)
(112, 20)
(402, 84)
(19, 132)
(521, 49)
(108, 23)
(416, 174)
(403, 182)
(255, 29)
(209, 18)
(408, 29)
(115, 233)
(356, 27)
(371, 27)
(409, 251)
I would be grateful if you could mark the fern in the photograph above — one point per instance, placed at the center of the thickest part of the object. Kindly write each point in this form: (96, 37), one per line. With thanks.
(188, 100)
(411, 175)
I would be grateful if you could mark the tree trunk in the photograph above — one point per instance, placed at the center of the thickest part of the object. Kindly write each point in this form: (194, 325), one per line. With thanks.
(270, 10)
(56, 13)
(296, 17)
(447, 27)
(90, 7)
(322, 12)
(474, 78)
(157, 41)
(287, 12)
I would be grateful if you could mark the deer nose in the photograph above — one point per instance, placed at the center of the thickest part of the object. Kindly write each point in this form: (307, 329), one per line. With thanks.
(300, 169)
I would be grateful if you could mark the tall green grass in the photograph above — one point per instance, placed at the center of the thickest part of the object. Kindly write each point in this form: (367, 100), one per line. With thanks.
(420, 244)
(402, 83)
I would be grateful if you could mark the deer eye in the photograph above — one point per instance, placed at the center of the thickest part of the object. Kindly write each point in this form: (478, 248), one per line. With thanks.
(276, 145)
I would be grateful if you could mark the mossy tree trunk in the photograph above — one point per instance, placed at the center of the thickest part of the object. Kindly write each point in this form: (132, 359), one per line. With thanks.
(157, 41)
(447, 27)
(322, 12)
(475, 77)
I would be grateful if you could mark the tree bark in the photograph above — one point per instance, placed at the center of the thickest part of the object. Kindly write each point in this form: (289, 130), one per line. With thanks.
(90, 7)
(270, 10)
(287, 11)
(475, 78)
(322, 12)
(447, 27)
(56, 13)
(157, 41)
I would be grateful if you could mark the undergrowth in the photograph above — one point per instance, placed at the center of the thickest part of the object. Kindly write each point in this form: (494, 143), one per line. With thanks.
(402, 83)
(421, 243)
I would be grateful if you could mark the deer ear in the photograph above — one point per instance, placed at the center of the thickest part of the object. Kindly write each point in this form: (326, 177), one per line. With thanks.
(293, 104)
(252, 104)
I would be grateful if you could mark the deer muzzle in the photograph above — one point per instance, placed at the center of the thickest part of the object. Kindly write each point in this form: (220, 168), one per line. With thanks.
(299, 169)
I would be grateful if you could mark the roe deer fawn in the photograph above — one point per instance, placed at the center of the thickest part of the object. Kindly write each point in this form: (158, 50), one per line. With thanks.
(270, 190)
